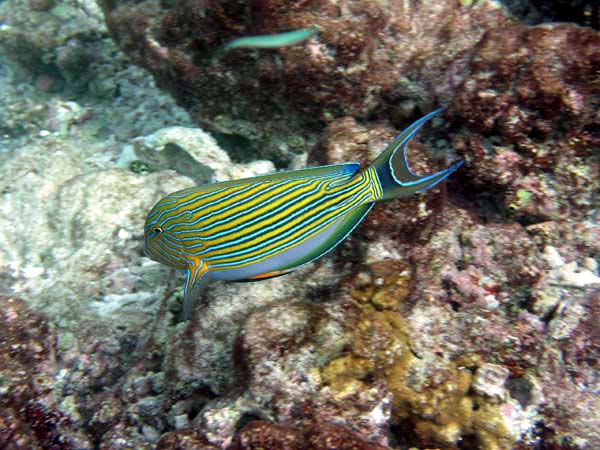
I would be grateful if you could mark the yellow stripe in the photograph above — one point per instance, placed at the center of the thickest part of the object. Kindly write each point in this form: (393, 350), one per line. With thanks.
(197, 268)
(360, 181)
(268, 206)
(204, 211)
(268, 221)
(194, 192)
(314, 226)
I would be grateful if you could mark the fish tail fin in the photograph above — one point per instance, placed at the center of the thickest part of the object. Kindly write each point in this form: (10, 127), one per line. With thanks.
(395, 178)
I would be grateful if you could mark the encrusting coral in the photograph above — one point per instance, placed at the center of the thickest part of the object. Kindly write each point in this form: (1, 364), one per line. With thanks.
(531, 103)
(434, 399)
(29, 414)
(312, 436)
(367, 59)
(463, 317)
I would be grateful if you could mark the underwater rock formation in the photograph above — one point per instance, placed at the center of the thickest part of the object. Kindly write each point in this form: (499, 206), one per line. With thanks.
(582, 12)
(184, 440)
(464, 317)
(190, 152)
(29, 414)
(86, 252)
(57, 52)
(531, 103)
(56, 43)
(317, 436)
(478, 308)
(368, 59)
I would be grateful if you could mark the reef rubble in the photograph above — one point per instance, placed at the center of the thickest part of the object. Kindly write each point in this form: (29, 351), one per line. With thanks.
(464, 317)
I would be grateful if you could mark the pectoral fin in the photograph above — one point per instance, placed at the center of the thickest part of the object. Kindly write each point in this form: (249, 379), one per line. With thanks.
(197, 277)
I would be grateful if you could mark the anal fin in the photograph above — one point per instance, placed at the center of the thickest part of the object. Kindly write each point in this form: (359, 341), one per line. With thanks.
(264, 276)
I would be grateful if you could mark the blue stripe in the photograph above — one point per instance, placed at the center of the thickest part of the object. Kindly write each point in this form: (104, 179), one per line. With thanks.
(277, 224)
(445, 174)
(308, 233)
(246, 200)
(414, 128)
(194, 199)
(313, 218)
(204, 205)
(265, 216)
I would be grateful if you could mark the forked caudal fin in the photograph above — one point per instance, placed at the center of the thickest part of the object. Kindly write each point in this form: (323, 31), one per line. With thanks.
(393, 171)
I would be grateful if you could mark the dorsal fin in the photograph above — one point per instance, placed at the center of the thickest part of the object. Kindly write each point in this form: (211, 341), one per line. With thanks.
(329, 171)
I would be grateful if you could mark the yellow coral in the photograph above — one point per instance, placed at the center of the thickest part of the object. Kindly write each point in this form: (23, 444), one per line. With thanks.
(385, 285)
(439, 401)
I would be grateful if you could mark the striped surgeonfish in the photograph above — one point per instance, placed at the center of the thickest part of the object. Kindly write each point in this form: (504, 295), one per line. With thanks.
(266, 226)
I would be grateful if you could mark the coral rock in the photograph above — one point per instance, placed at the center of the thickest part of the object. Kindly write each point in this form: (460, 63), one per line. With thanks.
(531, 101)
(368, 58)
(184, 440)
(323, 436)
(28, 416)
(489, 380)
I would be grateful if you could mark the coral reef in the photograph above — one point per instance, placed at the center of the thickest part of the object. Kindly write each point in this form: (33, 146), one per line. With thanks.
(532, 137)
(436, 396)
(318, 436)
(73, 257)
(29, 415)
(184, 440)
(464, 317)
(61, 53)
(506, 309)
(367, 60)
(190, 152)
(56, 44)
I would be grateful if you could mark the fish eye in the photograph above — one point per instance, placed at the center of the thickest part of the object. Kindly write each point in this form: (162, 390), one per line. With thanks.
(158, 230)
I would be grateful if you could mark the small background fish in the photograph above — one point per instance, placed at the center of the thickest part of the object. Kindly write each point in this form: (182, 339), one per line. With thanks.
(267, 226)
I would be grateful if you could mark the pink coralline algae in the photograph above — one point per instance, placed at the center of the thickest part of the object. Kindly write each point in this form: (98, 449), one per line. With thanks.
(368, 59)
(187, 439)
(530, 103)
(29, 416)
(317, 436)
